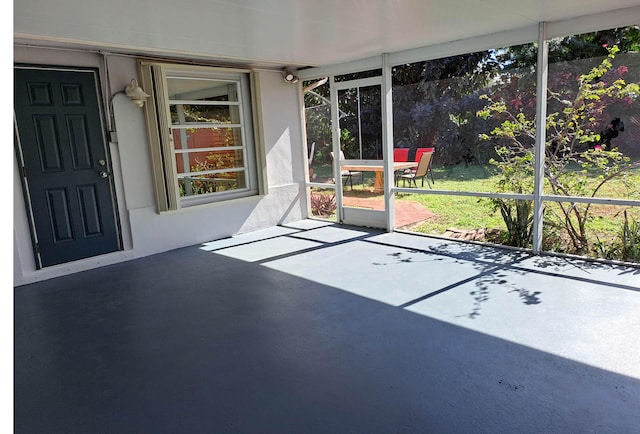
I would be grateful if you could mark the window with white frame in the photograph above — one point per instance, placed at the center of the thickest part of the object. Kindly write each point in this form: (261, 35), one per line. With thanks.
(201, 131)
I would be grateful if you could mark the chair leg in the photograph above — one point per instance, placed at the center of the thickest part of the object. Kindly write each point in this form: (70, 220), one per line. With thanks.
(347, 178)
(428, 183)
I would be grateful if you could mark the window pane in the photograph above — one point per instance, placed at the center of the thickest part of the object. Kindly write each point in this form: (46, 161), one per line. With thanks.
(186, 113)
(317, 110)
(441, 104)
(200, 89)
(358, 75)
(193, 185)
(464, 218)
(322, 203)
(207, 171)
(598, 231)
(361, 122)
(593, 111)
(210, 160)
(190, 138)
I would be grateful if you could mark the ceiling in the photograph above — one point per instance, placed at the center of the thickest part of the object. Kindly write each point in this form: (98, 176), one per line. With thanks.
(285, 32)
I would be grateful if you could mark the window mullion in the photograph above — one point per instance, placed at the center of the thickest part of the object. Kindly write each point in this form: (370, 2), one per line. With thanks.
(542, 68)
(183, 143)
(211, 172)
(209, 103)
(218, 149)
(215, 125)
(240, 118)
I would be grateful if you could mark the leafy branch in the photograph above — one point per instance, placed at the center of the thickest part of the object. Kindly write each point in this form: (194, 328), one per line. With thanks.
(575, 150)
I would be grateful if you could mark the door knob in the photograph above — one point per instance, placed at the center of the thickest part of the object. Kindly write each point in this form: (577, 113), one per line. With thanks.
(104, 174)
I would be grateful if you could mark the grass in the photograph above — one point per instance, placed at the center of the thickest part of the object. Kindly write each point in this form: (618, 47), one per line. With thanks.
(468, 213)
(455, 212)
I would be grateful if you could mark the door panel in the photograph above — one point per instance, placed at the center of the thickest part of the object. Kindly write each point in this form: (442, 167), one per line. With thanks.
(66, 171)
(360, 124)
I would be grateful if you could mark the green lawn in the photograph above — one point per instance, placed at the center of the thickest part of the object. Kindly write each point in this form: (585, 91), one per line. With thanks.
(469, 213)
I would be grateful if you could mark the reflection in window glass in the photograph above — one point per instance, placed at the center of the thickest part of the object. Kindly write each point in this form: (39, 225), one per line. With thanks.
(195, 183)
(208, 161)
(193, 114)
(200, 169)
(194, 138)
(201, 89)
(439, 104)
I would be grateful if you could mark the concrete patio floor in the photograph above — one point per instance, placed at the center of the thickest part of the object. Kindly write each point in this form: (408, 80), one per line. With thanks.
(319, 328)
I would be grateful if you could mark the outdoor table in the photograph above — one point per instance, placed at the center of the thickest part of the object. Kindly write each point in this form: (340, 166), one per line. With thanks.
(378, 167)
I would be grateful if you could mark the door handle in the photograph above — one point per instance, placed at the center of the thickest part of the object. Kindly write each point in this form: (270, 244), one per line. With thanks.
(104, 174)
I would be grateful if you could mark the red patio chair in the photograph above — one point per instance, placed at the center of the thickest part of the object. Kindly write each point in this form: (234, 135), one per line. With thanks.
(401, 154)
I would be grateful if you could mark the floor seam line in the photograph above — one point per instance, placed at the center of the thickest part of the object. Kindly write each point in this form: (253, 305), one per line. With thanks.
(323, 245)
(253, 241)
(450, 287)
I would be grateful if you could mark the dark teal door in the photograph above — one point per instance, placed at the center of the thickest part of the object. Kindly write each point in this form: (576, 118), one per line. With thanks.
(66, 171)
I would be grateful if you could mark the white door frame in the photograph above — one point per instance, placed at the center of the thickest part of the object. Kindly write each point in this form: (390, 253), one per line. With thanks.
(349, 215)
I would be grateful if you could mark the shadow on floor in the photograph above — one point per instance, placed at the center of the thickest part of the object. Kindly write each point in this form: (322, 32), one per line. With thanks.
(196, 341)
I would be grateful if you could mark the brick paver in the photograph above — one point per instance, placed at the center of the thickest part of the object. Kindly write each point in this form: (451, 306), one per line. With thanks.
(408, 213)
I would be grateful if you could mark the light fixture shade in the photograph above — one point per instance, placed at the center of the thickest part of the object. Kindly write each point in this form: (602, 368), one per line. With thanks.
(289, 76)
(135, 93)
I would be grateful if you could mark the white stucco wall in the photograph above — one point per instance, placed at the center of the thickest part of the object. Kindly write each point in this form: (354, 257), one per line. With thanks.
(144, 231)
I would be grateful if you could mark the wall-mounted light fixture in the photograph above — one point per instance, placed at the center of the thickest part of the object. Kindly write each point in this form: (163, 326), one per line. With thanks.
(289, 76)
(135, 93)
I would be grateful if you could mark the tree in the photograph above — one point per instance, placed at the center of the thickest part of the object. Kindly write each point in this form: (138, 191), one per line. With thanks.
(435, 102)
(580, 46)
(318, 122)
(579, 160)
